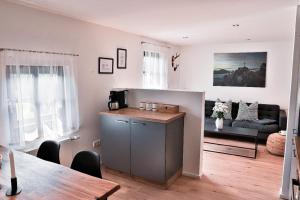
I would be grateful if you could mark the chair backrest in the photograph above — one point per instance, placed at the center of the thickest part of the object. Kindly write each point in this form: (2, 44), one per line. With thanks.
(49, 151)
(87, 162)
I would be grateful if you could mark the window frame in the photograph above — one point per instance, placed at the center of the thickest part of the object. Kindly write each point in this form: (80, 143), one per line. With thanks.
(34, 70)
(158, 54)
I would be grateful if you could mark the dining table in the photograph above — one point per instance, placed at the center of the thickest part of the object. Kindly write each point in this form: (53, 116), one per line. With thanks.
(43, 180)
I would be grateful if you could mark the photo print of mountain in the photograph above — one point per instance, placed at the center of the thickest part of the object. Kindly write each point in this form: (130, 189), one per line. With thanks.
(240, 69)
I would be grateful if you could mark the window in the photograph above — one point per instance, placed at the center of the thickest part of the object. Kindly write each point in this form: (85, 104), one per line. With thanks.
(41, 97)
(155, 67)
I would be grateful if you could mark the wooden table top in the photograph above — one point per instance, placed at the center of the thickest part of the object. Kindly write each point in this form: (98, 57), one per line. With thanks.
(145, 115)
(44, 180)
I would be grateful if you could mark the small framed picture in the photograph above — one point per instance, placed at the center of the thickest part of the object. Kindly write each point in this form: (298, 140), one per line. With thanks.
(105, 65)
(121, 58)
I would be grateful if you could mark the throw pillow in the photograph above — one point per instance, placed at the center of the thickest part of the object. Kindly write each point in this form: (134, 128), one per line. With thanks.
(247, 112)
(227, 115)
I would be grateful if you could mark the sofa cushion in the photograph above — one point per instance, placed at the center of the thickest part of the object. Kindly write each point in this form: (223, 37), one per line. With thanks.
(227, 115)
(266, 121)
(211, 121)
(268, 111)
(265, 111)
(268, 128)
(209, 105)
(247, 112)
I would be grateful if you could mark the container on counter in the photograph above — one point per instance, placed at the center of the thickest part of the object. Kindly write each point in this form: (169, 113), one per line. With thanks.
(168, 108)
(148, 106)
(142, 106)
(154, 107)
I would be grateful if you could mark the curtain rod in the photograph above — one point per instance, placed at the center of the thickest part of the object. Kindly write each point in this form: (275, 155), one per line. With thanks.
(143, 42)
(33, 51)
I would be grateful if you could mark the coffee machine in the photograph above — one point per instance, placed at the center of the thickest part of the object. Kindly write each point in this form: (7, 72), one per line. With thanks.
(117, 99)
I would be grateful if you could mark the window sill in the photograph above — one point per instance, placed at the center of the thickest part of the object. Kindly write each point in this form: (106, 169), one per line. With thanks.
(35, 145)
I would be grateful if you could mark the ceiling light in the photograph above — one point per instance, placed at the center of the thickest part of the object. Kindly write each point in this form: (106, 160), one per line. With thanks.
(235, 25)
(248, 39)
(185, 37)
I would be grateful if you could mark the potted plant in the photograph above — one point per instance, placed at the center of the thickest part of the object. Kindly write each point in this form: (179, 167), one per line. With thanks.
(220, 109)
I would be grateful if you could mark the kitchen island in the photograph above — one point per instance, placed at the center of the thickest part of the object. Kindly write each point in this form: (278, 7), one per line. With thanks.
(192, 104)
(142, 143)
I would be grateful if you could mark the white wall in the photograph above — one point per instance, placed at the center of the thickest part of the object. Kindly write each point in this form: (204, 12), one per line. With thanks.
(197, 72)
(27, 28)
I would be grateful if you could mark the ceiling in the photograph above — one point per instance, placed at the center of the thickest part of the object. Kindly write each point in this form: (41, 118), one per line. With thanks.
(202, 21)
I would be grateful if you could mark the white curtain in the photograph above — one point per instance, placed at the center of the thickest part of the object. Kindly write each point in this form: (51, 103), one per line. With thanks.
(38, 97)
(155, 66)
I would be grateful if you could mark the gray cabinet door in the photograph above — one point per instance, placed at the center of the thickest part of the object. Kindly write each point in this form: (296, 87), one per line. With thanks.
(174, 147)
(115, 137)
(148, 150)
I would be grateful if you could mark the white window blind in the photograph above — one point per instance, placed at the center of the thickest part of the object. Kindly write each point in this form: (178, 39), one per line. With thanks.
(39, 95)
(155, 66)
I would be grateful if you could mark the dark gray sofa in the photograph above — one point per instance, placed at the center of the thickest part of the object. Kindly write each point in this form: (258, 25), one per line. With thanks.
(265, 111)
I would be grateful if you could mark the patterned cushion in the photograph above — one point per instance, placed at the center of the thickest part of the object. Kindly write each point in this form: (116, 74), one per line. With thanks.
(227, 115)
(247, 112)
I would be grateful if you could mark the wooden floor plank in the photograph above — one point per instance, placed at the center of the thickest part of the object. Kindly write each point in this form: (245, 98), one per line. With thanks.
(226, 177)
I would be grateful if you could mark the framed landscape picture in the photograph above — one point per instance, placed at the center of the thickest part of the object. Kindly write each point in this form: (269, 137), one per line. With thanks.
(105, 65)
(121, 58)
(240, 69)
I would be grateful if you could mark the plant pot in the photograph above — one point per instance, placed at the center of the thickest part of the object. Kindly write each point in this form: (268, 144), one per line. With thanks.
(219, 123)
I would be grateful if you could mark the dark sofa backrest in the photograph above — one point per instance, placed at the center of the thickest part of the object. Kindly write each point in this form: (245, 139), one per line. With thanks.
(208, 107)
(265, 111)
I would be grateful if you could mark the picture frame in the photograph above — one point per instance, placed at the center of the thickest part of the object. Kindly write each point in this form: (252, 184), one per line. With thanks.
(105, 65)
(121, 58)
(240, 69)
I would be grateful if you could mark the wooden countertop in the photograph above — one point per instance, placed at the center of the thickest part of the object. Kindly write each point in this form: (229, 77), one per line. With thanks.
(145, 115)
(40, 179)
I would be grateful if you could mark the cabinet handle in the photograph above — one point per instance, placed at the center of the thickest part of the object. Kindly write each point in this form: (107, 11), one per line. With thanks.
(141, 123)
(122, 121)
(294, 151)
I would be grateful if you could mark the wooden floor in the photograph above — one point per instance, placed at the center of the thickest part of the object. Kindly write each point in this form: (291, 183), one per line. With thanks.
(225, 177)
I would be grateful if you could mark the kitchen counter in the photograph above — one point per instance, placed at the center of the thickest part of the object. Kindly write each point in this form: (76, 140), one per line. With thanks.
(192, 103)
(135, 113)
(130, 135)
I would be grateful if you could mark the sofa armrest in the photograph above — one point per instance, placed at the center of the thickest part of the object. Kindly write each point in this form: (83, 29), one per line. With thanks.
(282, 120)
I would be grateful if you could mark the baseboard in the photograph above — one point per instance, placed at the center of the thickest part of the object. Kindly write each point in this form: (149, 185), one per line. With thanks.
(283, 196)
(164, 186)
(192, 175)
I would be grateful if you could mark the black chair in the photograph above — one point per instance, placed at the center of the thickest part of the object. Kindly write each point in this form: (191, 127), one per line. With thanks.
(49, 151)
(87, 162)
